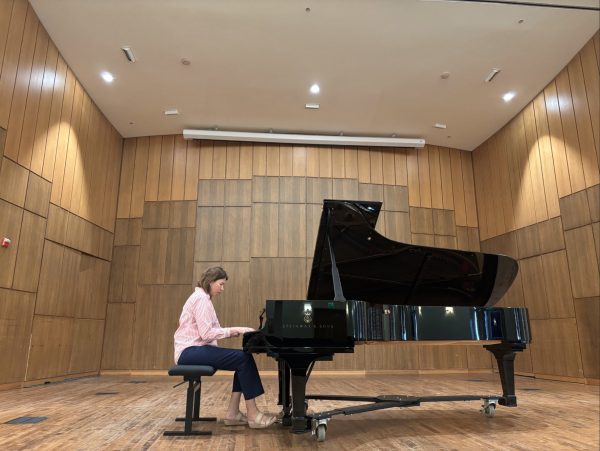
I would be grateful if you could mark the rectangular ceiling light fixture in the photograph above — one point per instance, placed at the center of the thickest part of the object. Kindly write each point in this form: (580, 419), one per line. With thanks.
(299, 138)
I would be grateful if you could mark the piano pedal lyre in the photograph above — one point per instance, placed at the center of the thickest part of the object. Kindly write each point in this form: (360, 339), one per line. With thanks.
(489, 407)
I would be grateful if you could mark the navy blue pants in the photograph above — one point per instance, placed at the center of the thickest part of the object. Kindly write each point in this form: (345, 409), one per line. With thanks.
(245, 379)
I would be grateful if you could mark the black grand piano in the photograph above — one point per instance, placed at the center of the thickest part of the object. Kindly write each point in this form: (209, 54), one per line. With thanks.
(365, 287)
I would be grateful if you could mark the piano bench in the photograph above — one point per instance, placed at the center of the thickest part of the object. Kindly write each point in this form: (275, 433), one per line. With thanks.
(192, 374)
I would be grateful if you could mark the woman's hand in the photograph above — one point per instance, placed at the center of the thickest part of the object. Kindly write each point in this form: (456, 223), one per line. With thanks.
(235, 331)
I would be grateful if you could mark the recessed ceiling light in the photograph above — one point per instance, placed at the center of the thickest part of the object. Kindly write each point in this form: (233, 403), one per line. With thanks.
(508, 96)
(438, 125)
(172, 112)
(315, 89)
(312, 106)
(107, 76)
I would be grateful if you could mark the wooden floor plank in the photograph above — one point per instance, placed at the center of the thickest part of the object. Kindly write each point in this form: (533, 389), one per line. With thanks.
(550, 415)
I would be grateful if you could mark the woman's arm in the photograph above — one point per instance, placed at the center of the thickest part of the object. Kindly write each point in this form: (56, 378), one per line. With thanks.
(205, 317)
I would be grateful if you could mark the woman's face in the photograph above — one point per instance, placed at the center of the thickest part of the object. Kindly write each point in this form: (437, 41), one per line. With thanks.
(217, 287)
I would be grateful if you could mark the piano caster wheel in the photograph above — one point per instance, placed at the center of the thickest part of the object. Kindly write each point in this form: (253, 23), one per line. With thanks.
(321, 432)
(489, 410)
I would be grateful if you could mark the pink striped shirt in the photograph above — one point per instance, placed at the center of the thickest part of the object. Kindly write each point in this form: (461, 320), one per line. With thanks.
(198, 324)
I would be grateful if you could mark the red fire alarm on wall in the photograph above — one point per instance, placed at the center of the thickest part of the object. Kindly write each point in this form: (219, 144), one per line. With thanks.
(6, 242)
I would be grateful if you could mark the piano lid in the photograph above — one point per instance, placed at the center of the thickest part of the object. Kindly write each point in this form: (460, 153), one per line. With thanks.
(376, 269)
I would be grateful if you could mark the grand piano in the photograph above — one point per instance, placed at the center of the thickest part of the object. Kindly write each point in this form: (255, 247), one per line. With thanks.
(366, 288)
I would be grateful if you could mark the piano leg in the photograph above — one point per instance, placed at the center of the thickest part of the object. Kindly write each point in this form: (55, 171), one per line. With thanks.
(300, 423)
(284, 392)
(505, 357)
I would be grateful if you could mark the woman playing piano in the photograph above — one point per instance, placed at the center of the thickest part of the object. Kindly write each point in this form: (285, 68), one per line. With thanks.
(196, 344)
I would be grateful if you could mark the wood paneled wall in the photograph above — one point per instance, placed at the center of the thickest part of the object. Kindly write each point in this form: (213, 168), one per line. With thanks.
(59, 176)
(538, 200)
(255, 208)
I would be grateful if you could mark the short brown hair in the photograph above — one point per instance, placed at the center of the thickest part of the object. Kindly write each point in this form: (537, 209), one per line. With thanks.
(211, 275)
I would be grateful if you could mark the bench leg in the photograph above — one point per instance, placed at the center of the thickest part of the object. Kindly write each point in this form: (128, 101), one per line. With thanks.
(192, 412)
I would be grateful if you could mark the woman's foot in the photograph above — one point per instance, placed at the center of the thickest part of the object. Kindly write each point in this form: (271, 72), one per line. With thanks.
(238, 419)
(261, 421)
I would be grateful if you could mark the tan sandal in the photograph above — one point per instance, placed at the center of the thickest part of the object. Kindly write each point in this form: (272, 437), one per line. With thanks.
(239, 420)
(262, 421)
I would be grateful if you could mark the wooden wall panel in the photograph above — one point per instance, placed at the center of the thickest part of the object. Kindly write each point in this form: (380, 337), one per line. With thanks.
(318, 189)
(292, 230)
(206, 160)
(259, 160)
(395, 198)
(575, 210)
(265, 189)
(153, 254)
(50, 349)
(179, 162)
(238, 193)
(165, 177)
(559, 298)
(547, 160)
(387, 356)
(236, 234)
(33, 97)
(436, 357)
(571, 139)
(556, 348)
(286, 160)
(265, 231)
(37, 199)
(153, 172)
(118, 337)
(11, 57)
(435, 177)
(86, 351)
(588, 312)
(179, 256)
(140, 169)
(299, 161)
(345, 189)
(583, 264)
(209, 234)
(557, 144)
(583, 123)
(348, 362)
(44, 113)
(29, 257)
(10, 224)
(292, 190)
(156, 317)
(389, 169)
(13, 182)
(16, 314)
(272, 164)
(591, 80)
(211, 193)
(126, 179)
(23, 74)
(191, 170)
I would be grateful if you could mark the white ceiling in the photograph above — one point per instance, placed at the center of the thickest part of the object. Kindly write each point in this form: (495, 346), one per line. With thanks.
(378, 63)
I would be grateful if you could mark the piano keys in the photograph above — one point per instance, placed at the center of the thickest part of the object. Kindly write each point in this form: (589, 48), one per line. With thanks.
(396, 291)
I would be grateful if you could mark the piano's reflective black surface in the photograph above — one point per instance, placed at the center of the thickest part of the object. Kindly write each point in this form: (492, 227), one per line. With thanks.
(396, 291)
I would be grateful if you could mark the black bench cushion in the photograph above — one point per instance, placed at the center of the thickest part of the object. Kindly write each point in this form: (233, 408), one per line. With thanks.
(191, 371)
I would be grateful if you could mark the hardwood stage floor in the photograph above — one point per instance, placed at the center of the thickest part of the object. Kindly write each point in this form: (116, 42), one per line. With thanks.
(133, 415)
